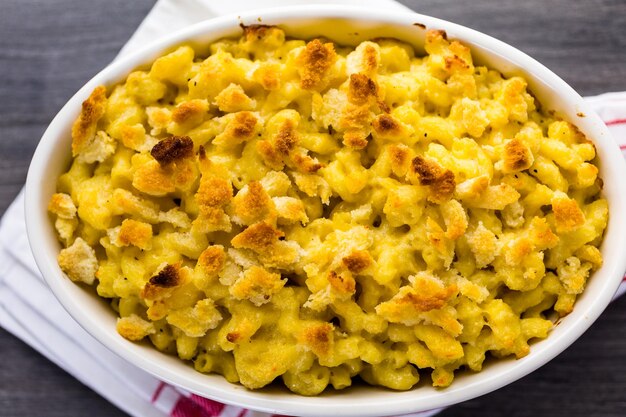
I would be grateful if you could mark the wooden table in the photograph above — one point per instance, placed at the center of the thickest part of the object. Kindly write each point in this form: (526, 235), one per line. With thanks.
(49, 48)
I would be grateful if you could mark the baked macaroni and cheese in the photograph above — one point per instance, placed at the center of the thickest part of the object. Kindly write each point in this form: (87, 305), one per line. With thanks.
(273, 208)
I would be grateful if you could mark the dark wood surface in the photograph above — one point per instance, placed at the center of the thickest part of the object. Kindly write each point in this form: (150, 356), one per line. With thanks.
(49, 48)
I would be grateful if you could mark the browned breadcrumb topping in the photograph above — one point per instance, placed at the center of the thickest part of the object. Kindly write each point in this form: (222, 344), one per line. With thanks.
(257, 285)
(385, 124)
(253, 205)
(133, 232)
(355, 140)
(443, 188)
(567, 214)
(355, 117)
(343, 283)
(427, 170)
(214, 192)
(426, 299)
(361, 89)
(319, 338)
(306, 164)
(517, 156)
(167, 277)
(242, 127)
(212, 260)
(357, 261)
(134, 327)
(441, 182)
(370, 59)
(316, 59)
(260, 237)
(400, 159)
(270, 155)
(161, 284)
(188, 111)
(172, 149)
(286, 139)
(84, 127)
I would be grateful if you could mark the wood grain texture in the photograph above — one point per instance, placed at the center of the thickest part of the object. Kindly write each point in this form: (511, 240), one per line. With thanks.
(48, 49)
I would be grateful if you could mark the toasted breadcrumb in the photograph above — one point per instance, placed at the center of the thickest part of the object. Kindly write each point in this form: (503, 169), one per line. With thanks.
(233, 99)
(172, 149)
(134, 327)
(257, 285)
(315, 60)
(62, 205)
(79, 262)
(567, 213)
(84, 128)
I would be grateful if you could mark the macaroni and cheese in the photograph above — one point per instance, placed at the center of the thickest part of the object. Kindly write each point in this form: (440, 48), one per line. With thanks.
(271, 208)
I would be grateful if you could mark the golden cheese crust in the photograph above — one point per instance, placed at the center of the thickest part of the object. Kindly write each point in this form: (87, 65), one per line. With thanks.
(270, 209)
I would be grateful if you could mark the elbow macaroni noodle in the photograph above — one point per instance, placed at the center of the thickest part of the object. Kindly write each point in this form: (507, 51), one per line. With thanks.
(274, 207)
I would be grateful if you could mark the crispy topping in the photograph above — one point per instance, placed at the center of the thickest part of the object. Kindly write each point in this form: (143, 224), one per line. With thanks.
(357, 261)
(517, 156)
(168, 277)
(400, 159)
(84, 128)
(212, 260)
(79, 262)
(427, 170)
(133, 232)
(259, 237)
(343, 283)
(252, 204)
(370, 58)
(316, 59)
(385, 124)
(567, 214)
(257, 285)
(172, 149)
(441, 182)
(421, 302)
(161, 285)
(443, 187)
(233, 98)
(192, 112)
(243, 125)
(361, 88)
(306, 164)
(214, 192)
(286, 139)
(62, 205)
(270, 155)
(134, 327)
(319, 338)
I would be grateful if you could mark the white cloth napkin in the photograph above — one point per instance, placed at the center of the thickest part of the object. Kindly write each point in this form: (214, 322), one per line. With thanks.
(30, 311)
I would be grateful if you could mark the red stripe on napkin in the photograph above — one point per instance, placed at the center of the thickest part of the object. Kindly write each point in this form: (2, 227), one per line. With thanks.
(213, 408)
(157, 392)
(615, 122)
(196, 406)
